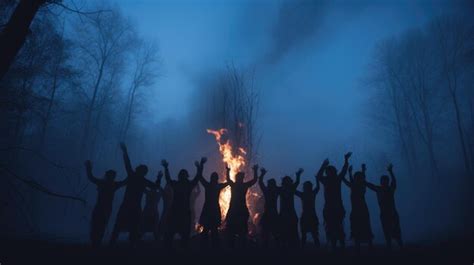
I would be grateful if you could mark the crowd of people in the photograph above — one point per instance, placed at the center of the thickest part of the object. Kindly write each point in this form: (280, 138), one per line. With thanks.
(278, 224)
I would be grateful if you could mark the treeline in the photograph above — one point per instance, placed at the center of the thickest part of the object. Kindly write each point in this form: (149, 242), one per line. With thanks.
(75, 89)
(424, 103)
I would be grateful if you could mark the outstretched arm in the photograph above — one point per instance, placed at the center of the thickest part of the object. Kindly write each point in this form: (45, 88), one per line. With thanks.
(255, 176)
(298, 193)
(372, 186)
(165, 165)
(343, 172)
(298, 177)
(90, 176)
(126, 159)
(393, 185)
(121, 183)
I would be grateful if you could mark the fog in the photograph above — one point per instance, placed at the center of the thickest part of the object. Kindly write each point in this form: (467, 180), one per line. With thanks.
(311, 64)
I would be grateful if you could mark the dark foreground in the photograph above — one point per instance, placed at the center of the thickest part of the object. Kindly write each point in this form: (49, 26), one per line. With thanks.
(38, 252)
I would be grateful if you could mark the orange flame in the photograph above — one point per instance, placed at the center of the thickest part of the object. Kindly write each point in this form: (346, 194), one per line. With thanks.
(236, 163)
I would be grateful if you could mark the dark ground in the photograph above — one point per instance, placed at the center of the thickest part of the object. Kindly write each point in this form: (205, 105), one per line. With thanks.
(41, 252)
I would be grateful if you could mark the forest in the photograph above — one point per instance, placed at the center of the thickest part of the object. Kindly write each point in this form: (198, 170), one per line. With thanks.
(84, 77)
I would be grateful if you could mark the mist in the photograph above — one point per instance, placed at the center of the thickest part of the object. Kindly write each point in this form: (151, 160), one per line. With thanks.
(313, 68)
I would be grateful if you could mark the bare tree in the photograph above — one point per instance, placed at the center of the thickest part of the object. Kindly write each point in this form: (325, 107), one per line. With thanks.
(105, 38)
(145, 72)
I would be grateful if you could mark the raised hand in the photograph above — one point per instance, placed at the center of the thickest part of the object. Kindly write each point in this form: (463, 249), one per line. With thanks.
(390, 167)
(263, 171)
(299, 172)
(347, 155)
(255, 168)
(227, 168)
(364, 168)
(164, 163)
(203, 160)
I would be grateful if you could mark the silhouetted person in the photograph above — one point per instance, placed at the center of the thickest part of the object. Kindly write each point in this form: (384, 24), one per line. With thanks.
(361, 231)
(151, 215)
(194, 196)
(179, 221)
(238, 214)
(333, 211)
(106, 188)
(288, 217)
(165, 216)
(270, 221)
(130, 212)
(388, 212)
(211, 211)
(309, 222)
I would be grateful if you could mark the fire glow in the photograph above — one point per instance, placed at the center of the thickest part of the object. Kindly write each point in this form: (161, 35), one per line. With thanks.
(236, 163)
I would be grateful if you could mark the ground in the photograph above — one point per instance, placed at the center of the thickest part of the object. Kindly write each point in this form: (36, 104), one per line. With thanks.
(41, 252)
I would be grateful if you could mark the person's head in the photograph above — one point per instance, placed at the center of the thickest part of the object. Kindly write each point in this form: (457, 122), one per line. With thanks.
(214, 177)
(286, 181)
(384, 181)
(141, 170)
(272, 183)
(110, 175)
(240, 177)
(359, 177)
(331, 172)
(183, 175)
(307, 186)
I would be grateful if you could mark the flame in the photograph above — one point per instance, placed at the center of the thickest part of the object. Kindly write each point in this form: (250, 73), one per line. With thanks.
(236, 163)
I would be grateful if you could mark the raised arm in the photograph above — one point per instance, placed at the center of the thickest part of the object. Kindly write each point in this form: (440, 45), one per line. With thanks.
(320, 175)
(318, 186)
(165, 165)
(348, 182)
(255, 176)
(227, 175)
(126, 159)
(199, 170)
(261, 184)
(298, 193)
(119, 184)
(343, 172)
(393, 184)
(298, 178)
(90, 176)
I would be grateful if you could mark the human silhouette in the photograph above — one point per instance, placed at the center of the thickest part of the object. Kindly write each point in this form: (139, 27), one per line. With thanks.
(309, 222)
(165, 216)
(179, 221)
(238, 213)
(333, 212)
(361, 231)
(288, 217)
(388, 212)
(151, 215)
(194, 196)
(210, 218)
(130, 211)
(269, 222)
(106, 188)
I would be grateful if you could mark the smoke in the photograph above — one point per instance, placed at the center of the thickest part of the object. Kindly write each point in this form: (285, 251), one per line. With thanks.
(297, 22)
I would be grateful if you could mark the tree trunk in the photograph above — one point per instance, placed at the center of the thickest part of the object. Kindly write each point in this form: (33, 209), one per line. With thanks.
(14, 34)
(461, 133)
